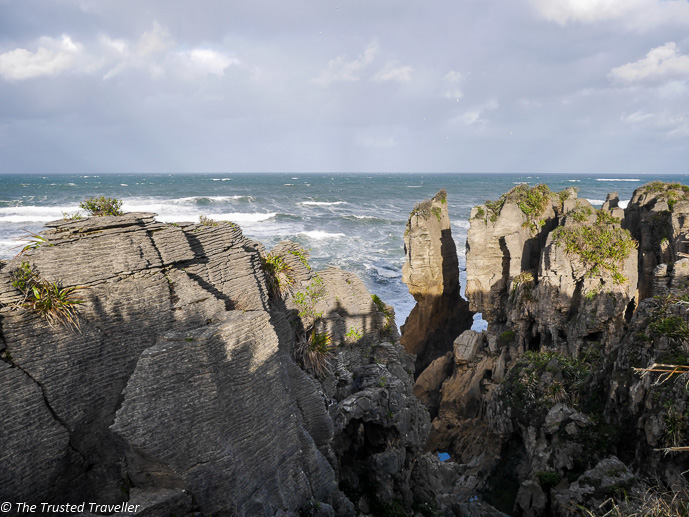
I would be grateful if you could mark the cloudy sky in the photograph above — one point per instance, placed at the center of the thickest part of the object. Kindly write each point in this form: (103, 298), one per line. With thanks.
(352, 85)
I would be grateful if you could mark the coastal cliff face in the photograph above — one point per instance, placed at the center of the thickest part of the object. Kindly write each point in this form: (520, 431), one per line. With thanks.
(543, 411)
(431, 272)
(185, 387)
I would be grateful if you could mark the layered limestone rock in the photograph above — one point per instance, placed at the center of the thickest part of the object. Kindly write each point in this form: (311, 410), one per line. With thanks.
(431, 273)
(504, 240)
(544, 411)
(587, 280)
(182, 390)
(656, 217)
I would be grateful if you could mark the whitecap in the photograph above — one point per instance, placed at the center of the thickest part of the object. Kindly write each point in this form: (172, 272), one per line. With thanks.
(461, 224)
(414, 186)
(123, 185)
(574, 181)
(320, 235)
(244, 217)
(322, 203)
(23, 214)
(617, 179)
(596, 201)
(623, 204)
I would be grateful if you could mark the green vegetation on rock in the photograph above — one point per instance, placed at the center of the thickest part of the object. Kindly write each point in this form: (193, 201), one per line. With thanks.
(600, 247)
(532, 201)
(530, 393)
(101, 206)
(279, 274)
(313, 350)
(51, 300)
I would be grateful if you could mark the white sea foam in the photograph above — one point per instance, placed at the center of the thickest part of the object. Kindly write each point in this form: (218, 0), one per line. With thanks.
(236, 217)
(623, 204)
(596, 201)
(195, 199)
(320, 235)
(617, 179)
(23, 214)
(461, 224)
(322, 203)
(414, 186)
(574, 181)
(123, 185)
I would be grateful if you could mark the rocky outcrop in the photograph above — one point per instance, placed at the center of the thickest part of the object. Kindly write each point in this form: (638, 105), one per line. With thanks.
(185, 389)
(656, 217)
(505, 240)
(544, 411)
(431, 273)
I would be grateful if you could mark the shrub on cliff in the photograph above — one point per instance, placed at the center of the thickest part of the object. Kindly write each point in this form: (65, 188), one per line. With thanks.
(278, 274)
(52, 301)
(313, 350)
(672, 192)
(533, 202)
(101, 206)
(599, 247)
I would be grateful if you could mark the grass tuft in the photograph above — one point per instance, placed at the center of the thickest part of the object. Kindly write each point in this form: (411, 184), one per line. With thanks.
(52, 301)
(314, 350)
(278, 274)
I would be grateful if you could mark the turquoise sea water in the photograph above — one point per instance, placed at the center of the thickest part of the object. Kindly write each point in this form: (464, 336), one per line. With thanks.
(354, 221)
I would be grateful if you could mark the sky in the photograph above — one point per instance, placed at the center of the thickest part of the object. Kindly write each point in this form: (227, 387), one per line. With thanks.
(562, 86)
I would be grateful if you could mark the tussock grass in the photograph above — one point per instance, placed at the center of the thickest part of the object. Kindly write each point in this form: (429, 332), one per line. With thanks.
(57, 304)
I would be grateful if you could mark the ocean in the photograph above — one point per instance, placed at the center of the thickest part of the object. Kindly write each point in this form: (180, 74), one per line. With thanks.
(353, 221)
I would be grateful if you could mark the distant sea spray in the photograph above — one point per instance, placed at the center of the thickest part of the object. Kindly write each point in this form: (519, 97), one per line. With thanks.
(353, 221)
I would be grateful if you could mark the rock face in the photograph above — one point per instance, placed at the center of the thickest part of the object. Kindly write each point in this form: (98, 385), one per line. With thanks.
(431, 273)
(544, 411)
(187, 387)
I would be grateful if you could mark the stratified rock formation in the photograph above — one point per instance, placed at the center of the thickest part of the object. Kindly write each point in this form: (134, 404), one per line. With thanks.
(188, 387)
(431, 273)
(543, 413)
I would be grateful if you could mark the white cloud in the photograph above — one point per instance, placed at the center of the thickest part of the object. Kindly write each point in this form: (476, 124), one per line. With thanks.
(636, 13)
(391, 72)
(672, 125)
(453, 78)
(664, 62)
(51, 58)
(339, 69)
(636, 117)
(147, 53)
(207, 61)
(475, 115)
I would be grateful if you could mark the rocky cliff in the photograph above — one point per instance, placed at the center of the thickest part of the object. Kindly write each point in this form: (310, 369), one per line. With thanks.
(186, 369)
(431, 273)
(544, 413)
